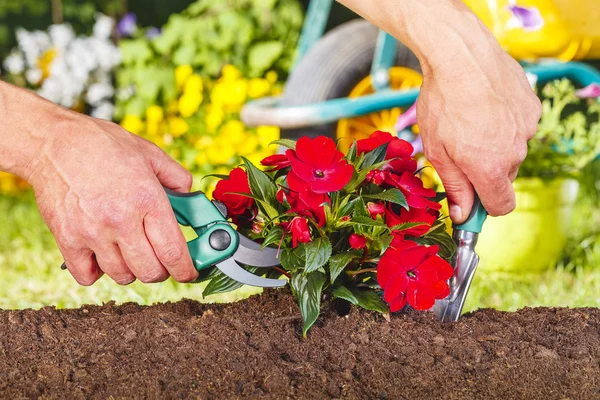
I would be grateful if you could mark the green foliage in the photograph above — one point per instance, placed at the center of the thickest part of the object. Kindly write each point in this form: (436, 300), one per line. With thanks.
(255, 36)
(568, 136)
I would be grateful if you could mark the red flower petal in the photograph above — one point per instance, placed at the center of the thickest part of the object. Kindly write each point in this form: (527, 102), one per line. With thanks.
(443, 269)
(398, 148)
(420, 297)
(319, 152)
(396, 287)
(334, 181)
(398, 303)
(357, 241)
(303, 170)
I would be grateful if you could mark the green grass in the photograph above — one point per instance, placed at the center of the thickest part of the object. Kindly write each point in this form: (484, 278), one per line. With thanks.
(30, 275)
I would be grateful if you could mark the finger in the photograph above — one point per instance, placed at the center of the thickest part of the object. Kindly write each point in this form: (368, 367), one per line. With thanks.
(459, 190)
(83, 266)
(169, 172)
(496, 194)
(168, 242)
(111, 262)
(140, 258)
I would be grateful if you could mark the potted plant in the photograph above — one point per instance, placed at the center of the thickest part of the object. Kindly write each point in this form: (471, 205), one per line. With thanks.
(533, 236)
(358, 227)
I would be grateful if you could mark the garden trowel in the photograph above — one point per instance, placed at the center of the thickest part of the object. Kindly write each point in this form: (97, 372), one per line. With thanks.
(465, 263)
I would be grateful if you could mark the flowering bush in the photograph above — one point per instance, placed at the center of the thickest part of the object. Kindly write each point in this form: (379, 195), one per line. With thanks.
(75, 72)
(568, 135)
(201, 125)
(352, 226)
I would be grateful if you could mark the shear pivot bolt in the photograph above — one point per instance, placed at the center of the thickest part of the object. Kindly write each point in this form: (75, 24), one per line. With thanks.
(219, 240)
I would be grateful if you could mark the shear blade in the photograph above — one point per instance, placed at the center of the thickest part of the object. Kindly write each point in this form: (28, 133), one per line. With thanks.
(233, 270)
(250, 253)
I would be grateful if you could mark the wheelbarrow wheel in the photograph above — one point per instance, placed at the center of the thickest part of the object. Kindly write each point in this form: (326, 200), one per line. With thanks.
(333, 67)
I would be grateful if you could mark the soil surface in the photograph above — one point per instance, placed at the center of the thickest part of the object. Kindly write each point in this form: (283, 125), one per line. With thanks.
(254, 349)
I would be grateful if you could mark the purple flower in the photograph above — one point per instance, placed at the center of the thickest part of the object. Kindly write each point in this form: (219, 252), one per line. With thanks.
(417, 145)
(591, 91)
(528, 18)
(407, 118)
(127, 25)
(153, 32)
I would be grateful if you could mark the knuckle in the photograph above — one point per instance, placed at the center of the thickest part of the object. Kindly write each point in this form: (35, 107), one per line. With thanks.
(113, 215)
(153, 276)
(171, 254)
(189, 275)
(520, 154)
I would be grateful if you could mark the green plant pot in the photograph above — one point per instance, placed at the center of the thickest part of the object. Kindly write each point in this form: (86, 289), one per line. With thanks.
(532, 237)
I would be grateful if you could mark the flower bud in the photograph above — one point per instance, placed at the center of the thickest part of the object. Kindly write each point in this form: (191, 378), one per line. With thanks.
(357, 241)
(376, 209)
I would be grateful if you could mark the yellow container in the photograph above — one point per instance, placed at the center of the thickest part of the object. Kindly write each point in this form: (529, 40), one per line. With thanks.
(533, 236)
(571, 29)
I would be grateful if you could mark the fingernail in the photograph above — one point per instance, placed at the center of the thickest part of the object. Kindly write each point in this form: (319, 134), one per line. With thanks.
(456, 213)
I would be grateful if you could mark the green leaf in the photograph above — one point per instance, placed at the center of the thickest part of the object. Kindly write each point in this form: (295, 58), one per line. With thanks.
(338, 262)
(262, 186)
(261, 56)
(375, 156)
(346, 206)
(441, 238)
(366, 299)
(366, 221)
(288, 143)
(406, 225)
(221, 283)
(307, 289)
(360, 209)
(317, 254)
(273, 237)
(351, 156)
(391, 195)
(359, 178)
(439, 196)
(220, 176)
(293, 259)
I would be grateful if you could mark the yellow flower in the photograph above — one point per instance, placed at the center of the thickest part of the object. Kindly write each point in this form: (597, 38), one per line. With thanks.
(267, 134)
(204, 142)
(258, 87)
(182, 73)
(154, 114)
(271, 76)
(189, 103)
(230, 73)
(152, 128)
(201, 159)
(233, 132)
(221, 152)
(177, 126)
(8, 183)
(44, 62)
(173, 107)
(133, 124)
(193, 85)
(230, 95)
(214, 117)
(248, 146)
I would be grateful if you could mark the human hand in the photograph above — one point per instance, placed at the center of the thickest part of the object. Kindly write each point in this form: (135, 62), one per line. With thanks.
(475, 117)
(99, 189)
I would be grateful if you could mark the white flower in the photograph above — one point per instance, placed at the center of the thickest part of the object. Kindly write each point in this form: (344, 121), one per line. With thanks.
(532, 78)
(51, 90)
(14, 63)
(98, 92)
(61, 35)
(103, 26)
(104, 111)
(34, 76)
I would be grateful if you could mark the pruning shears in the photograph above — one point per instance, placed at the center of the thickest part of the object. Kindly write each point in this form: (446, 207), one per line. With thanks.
(218, 244)
(465, 263)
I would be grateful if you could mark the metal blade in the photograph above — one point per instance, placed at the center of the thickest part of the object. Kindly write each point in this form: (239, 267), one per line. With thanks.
(250, 253)
(465, 264)
(233, 270)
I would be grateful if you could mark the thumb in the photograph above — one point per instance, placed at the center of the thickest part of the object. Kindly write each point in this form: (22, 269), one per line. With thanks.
(459, 190)
(169, 172)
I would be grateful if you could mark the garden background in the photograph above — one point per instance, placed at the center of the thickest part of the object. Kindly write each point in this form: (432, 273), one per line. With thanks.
(178, 73)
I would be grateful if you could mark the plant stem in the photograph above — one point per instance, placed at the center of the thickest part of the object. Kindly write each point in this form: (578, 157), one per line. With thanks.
(57, 12)
(360, 271)
(283, 272)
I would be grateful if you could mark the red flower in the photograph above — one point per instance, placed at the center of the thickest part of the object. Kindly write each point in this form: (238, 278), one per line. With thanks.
(237, 183)
(412, 188)
(397, 148)
(277, 161)
(305, 203)
(376, 209)
(299, 229)
(398, 239)
(376, 176)
(413, 274)
(428, 217)
(318, 163)
(357, 241)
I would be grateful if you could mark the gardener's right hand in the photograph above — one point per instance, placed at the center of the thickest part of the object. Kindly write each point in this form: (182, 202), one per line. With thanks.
(99, 189)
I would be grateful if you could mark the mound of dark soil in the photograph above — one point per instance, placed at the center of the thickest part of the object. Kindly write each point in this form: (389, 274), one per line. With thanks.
(254, 349)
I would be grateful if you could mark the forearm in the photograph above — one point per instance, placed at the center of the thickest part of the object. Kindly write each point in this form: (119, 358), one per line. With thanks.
(25, 120)
(437, 31)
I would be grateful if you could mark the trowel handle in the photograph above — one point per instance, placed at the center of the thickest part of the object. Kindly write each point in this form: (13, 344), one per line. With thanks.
(476, 218)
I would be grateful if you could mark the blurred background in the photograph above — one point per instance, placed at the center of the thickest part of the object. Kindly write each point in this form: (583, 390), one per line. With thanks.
(179, 73)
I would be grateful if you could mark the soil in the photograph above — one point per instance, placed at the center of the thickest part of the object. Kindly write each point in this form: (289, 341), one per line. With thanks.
(254, 349)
